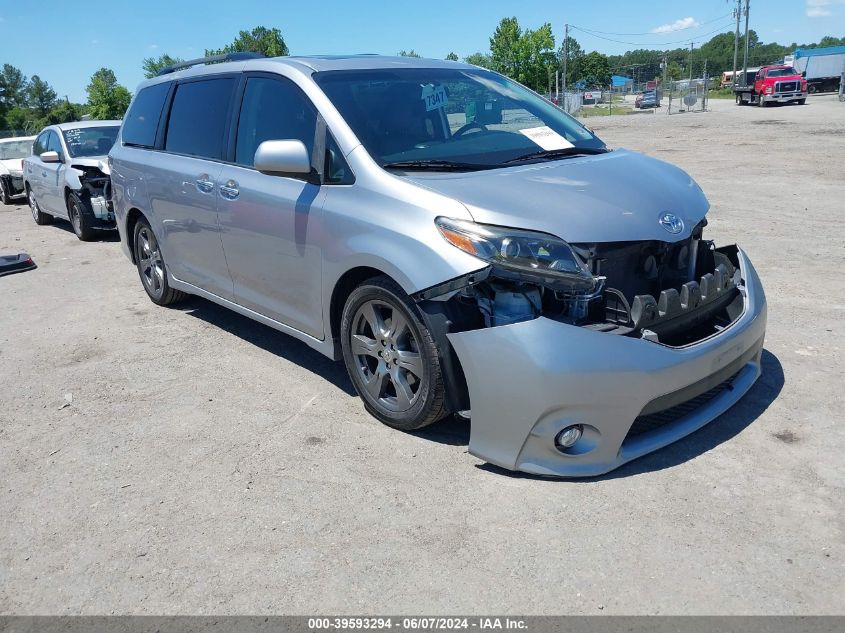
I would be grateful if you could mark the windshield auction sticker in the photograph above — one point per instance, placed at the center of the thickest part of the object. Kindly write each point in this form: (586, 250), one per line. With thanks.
(434, 97)
(546, 138)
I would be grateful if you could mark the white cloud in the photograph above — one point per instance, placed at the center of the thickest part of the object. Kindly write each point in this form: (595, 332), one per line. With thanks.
(95, 42)
(821, 8)
(680, 25)
(153, 46)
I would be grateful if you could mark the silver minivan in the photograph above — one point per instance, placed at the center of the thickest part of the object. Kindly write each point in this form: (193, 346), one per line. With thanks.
(461, 243)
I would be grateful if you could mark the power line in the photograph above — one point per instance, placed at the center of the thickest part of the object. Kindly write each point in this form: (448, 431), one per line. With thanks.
(697, 38)
(691, 26)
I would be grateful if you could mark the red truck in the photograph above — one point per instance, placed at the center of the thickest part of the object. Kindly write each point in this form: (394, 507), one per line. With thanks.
(772, 84)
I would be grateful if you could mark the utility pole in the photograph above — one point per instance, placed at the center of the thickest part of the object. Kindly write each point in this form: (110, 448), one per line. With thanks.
(565, 55)
(745, 58)
(665, 63)
(690, 61)
(704, 94)
(737, 13)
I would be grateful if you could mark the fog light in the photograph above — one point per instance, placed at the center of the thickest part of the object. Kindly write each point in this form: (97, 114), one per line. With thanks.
(568, 436)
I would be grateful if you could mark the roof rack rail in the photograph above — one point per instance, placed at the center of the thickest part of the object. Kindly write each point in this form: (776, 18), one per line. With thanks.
(225, 57)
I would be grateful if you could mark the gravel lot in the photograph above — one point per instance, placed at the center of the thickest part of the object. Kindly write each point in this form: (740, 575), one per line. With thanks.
(208, 464)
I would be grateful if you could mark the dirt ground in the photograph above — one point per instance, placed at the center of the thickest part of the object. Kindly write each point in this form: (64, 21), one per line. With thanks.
(209, 465)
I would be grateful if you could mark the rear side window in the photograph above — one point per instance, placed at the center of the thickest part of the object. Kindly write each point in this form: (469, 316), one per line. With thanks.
(141, 122)
(273, 109)
(198, 118)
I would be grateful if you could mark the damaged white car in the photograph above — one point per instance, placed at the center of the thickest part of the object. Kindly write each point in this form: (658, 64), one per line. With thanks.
(67, 176)
(460, 242)
(12, 152)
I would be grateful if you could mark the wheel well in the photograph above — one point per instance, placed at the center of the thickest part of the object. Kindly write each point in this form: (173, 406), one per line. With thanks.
(343, 288)
(131, 220)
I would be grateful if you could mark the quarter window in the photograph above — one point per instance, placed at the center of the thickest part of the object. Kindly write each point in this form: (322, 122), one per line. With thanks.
(40, 144)
(141, 122)
(198, 118)
(273, 109)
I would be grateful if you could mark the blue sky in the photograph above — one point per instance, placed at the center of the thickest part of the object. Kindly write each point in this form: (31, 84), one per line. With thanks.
(124, 33)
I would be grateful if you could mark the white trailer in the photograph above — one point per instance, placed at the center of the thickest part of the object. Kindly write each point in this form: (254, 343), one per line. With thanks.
(821, 67)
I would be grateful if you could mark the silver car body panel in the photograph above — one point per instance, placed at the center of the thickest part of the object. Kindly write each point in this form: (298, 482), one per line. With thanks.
(571, 198)
(277, 251)
(555, 375)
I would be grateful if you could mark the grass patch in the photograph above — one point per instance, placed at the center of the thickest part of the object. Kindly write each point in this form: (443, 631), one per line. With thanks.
(721, 93)
(590, 111)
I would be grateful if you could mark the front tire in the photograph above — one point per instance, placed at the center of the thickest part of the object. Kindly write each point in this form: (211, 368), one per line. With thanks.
(40, 218)
(391, 356)
(81, 218)
(4, 195)
(151, 268)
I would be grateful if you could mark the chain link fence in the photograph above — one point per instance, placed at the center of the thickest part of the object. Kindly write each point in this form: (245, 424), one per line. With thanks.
(687, 96)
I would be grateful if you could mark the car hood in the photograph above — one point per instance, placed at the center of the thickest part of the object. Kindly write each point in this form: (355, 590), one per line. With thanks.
(613, 197)
(100, 162)
(9, 165)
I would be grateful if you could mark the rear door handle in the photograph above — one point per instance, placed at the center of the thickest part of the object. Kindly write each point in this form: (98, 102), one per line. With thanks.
(230, 190)
(204, 184)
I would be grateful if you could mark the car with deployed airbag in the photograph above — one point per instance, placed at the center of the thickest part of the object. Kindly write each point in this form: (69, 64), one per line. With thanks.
(462, 244)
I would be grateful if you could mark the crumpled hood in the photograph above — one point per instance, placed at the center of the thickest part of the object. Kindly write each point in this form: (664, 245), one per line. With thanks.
(613, 197)
(100, 162)
(10, 165)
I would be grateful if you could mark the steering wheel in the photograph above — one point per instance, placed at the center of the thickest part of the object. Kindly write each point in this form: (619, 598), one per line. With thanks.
(469, 126)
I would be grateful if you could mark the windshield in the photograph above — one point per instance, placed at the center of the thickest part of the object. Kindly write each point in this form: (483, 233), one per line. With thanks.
(90, 141)
(472, 117)
(781, 72)
(14, 149)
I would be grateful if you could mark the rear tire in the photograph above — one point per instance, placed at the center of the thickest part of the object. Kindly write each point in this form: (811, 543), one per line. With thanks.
(801, 101)
(40, 218)
(151, 268)
(391, 356)
(81, 217)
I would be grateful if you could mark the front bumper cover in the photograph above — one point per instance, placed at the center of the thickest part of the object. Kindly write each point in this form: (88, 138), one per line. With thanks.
(529, 380)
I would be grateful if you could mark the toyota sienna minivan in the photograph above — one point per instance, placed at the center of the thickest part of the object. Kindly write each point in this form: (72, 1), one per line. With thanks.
(461, 243)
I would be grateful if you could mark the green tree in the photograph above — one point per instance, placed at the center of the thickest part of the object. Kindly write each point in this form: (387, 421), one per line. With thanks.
(106, 98)
(505, 47)
(410, 53)
(574, 54)
(674, 71)
(13, 85)
(479, 59)
(596, 69)
(452, 57)
(267, 42)
(65, 111)
(152, 65)
(40, 96)
(21, 119)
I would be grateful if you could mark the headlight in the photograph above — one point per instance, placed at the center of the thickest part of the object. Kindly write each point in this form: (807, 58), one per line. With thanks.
(527, 253)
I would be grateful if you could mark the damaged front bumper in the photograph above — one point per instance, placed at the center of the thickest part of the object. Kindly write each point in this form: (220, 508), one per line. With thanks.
(13, 184)
(529, 380)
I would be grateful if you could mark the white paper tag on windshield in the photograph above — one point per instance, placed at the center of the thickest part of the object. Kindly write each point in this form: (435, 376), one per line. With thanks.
(546, 137)
(434, 97)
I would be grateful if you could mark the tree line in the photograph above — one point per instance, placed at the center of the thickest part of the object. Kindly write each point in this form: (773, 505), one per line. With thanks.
(528, 55)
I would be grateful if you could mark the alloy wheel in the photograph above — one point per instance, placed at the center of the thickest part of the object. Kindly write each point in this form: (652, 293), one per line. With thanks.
(33, 206)
(150, 262)
(387, 356)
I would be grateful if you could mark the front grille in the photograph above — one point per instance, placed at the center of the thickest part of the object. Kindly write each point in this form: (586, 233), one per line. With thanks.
(787, 86)
(652, 421)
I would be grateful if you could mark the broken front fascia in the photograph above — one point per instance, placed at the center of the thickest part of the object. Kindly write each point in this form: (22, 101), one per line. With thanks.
(91, 181)
(530, 380)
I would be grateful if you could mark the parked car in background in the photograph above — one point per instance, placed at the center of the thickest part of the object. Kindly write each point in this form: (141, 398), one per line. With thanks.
(647, 100)
(12, 152)
(67, 175)
(460, 242)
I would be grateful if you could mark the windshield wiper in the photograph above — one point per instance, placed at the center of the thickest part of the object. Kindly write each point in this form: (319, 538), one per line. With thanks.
(435, 165)
(558, 153)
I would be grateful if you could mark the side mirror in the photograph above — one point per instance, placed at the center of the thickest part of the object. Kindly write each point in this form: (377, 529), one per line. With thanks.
(282, 158)
(50, 157)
